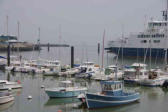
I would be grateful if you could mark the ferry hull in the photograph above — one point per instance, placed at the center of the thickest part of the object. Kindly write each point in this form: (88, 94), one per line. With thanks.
(141, 52)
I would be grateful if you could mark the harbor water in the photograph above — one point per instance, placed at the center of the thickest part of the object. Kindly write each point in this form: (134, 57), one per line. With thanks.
(151, 99)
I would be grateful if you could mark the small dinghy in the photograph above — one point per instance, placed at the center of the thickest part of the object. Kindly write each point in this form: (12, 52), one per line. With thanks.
(5, 97)
(112, 95)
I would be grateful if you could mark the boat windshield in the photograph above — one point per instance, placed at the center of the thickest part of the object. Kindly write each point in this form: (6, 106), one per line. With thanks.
(108, 87)
(66, 84)
(109, 71)
(88, 63)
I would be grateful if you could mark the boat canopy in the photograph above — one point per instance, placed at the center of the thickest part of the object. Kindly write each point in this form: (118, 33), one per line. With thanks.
(88, 63)
(66, 84)
(138, 65)
(112, 66)
(2, 57)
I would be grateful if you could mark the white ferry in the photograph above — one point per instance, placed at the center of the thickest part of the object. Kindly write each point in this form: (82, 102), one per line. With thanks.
(153, 41)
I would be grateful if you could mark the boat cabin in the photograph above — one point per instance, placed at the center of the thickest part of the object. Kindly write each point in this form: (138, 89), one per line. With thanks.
(111, 69)
(53, 62)
(138, 66)
(154, 73)
(111, 87)
(66, 84)
(136, 69)
(88, 63)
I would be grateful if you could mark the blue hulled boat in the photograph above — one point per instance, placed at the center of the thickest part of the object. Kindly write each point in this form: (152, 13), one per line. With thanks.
(66, 89)
(112, 95)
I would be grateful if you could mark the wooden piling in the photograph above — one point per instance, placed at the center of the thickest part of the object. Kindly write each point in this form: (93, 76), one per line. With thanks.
(72, 56)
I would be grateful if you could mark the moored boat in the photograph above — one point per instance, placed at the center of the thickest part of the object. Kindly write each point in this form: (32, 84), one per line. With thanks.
(134, 73)
(11, 85)
(5, 97)
(66, 89)
(112, 95)
(155, 78)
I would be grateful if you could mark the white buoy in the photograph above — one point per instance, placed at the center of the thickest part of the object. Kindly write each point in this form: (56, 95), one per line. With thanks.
(9, 89)
(29, 97)
(42, 86)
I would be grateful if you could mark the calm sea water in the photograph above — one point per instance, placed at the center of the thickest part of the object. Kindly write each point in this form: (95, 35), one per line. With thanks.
(152, 99)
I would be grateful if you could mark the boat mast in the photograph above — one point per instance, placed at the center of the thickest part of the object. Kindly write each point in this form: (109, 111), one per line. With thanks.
(103, 49)
(150, 58)
(18, 37)
(165, 13)
(122, 45)
(39, 35)
(18, 26)
(7, 26)
(60, 38)
(39, 41)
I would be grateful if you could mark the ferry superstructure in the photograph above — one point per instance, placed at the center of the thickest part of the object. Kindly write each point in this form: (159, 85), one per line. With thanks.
(153, 41)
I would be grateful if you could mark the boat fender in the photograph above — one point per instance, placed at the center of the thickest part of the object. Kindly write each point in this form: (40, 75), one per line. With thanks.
(103, 92)
(29, 97)
(33, 71)
(9, 89)
(42, 86)
(18, 82)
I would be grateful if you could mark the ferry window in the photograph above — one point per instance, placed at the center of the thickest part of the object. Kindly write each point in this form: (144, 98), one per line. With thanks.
(156, 41)
(150, 24)
(162, 35)
(148, 36)
(120, 86)
(153, 35)
(149, 41)
(113, 87)
(144, 41)
(90, 69)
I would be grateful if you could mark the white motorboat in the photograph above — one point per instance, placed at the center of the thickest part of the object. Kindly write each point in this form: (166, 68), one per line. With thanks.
(108, 74)
(5, 97)
(65, 89)
(69, 72)
(11, 85)
(88, 69)
(135, 73)
(155, 78)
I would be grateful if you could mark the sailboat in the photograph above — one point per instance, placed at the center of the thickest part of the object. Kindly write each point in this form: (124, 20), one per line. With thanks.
(100, 75)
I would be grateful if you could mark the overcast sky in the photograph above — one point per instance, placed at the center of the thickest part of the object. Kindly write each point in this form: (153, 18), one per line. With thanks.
(81, 21)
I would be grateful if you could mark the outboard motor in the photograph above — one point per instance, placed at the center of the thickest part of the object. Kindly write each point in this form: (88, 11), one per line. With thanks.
(165, 84)
(13, 69)
(89, 75)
